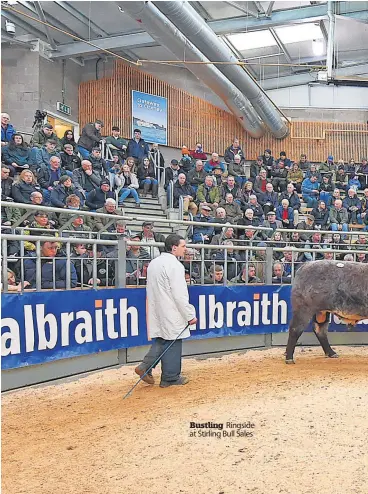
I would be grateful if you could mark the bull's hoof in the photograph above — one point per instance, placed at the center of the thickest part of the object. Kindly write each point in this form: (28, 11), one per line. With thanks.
(289, 361)
(333, 355)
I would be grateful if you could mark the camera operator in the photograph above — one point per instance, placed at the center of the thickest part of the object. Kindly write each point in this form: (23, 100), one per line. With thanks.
(46, 133)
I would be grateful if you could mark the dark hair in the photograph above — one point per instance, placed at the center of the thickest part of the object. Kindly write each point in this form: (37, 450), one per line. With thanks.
(115, 128)
(12, 144)
(171, 241)
(282, 153)
(51, 141)
(66, 133)
(137, 130)
(96, 148)
(216, 268)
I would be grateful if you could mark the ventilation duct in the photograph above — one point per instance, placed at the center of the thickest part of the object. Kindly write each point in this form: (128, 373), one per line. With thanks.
(165, 33)
(201, 35)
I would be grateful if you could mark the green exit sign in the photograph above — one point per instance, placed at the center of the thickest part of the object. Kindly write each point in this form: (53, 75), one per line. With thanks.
(63, 108)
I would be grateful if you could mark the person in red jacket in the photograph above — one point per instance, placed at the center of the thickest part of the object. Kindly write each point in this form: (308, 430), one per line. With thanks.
(198, 153)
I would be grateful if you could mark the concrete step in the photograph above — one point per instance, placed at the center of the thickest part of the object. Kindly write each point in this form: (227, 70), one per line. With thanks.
(144, 206)
(143, 212)
(144, 200)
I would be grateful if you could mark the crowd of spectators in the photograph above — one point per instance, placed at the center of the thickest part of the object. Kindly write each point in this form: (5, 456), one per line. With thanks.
(66, 174)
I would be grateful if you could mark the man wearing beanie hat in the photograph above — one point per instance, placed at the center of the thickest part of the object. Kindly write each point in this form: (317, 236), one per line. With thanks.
(65, 189)
(186, 162)
(96, 198)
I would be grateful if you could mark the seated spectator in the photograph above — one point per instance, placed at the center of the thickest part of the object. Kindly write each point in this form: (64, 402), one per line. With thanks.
(213, 163)
(287, 162)
(341, 179)
(219, 177)
(328, 255)
(304, 164)
(99, 165)
(137, 147)
(255, 169)
(208, 194)
(327, 168)
(248, 220)
(295, 240)
(186, 163)
(296, 177)
(294, 201)
(184, 190)
(90, 138)
(105, 266)
(147, 180)
(77, 227)
(69, 139)
(361, 242)
(326, 189)
(339, 218)
(247, 276)
(338, 244)
(83, 265)
(36, 199)
(197, 175)
(279, 176)
(44, 154)
(172, 173)
(198, 153)
(49, 177)
(279, 277)
(40, 137)
(260, 182)
(7, 130)
(156, 158)
(306, 224)
(321, 216)
(362, 173)
(314, 244)
(53, 269)
(362, 257)
(290, 264)
(364, 202)
(277, 242)
(230, 187)
(114, 167)
(313, 171)
(310, 191)
(97, 197)
(231, 260)
(257, 208)
(215, 276)
(354, 183)
(23, 187)
(353, 206)
(237, 170)
(191, 264)
(285, 214)
(351, 169)
(270, 222)
(128, 184)
(149, 236)
(13, 286)
(132, 163)
(335, 195)
(227, 233)
(70, 161)
(64, 189)
(17, 155)
(100, 224)
(232, 209)
(137, 261)
(221, 218)
(268, 161)
(85, 179)
(348, 257)
(233, 151)
(117, 143)
(269, 200)
(6, 184)
(245, 193)
(42, 226)
(203, 234)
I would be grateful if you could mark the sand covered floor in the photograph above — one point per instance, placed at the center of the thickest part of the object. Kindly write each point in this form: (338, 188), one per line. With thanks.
(310, 431)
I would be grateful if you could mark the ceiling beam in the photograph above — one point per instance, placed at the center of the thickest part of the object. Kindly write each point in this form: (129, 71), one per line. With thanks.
(323, 30)
(246, 10)
(42, 17)
(82, 18)
(281, 45)
(259, 7)
(269, 9)
(198, 7)
(5, 38)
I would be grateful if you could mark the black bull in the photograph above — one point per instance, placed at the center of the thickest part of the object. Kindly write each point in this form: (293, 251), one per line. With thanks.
(324, 287)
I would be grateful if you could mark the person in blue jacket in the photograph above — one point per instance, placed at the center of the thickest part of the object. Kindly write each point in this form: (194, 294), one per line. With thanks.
(137, 147)
(17, 155)
(285, 214)
(48, 259)
(65, 189)
(310, 191)
(7, 130)
(203, 234)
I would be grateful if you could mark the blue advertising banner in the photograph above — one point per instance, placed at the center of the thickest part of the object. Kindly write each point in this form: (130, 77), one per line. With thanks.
(47, 326)
(149, 115)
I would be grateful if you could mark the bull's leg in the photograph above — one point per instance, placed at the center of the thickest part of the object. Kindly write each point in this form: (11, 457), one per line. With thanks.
(320, 327)
(297, 325)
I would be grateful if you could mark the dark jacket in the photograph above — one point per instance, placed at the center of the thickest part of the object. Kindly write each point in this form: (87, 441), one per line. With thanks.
(199, 231)
(72, 142)
(60, 193)
(97, 198)
(137, 150)
(90, 137)
(44, 177)
(235, 191)
(279, 172)
(7, 132)
(21, 191)
(99, 166)
(43, 158)
(321, 216)
(349, 202)
(83, 267)
(230, 153)
(47, 276)
(20, 155)
(294, 201)
(85, 182)
(182, 190)
(269, 197)
(144, 172)
(70, 162)
(6, 188)
(195, 177)
(39, 140)
(254, 170)
(169, 175)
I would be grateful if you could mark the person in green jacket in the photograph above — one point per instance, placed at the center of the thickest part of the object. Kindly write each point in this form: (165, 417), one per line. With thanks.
(208, 193)
(117, 143)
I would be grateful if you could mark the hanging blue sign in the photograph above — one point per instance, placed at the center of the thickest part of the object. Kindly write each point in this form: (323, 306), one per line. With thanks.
(149, 115)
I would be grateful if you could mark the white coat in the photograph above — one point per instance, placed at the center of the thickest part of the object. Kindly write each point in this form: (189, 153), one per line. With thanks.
(168, 307)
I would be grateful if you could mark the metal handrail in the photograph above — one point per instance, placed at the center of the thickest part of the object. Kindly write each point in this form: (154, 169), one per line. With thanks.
(181, 208)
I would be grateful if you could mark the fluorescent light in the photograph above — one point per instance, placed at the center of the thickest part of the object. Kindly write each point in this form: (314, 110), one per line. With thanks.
(252, 40)
(301, 32)
(318, 47)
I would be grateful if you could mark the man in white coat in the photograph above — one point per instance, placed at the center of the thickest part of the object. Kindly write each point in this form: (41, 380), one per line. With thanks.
(169, 312)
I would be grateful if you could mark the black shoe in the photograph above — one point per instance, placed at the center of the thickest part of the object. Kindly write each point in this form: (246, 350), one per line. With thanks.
(179, 382)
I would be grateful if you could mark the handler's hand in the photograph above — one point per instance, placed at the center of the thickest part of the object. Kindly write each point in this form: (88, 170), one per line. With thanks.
(193, 321)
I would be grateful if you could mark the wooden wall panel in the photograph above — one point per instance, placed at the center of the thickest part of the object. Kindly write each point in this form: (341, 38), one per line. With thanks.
(191, 118)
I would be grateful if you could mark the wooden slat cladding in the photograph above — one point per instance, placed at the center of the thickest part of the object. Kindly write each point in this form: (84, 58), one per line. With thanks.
(191, 118)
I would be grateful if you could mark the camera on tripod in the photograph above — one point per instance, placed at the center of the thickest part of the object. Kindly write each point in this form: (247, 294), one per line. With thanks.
(39, 118)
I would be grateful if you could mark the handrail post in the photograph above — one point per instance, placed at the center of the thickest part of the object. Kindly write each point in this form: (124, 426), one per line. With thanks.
(269, 265)
(121, 262)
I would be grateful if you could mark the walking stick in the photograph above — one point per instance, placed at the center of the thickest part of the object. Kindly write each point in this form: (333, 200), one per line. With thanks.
(154, 363)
